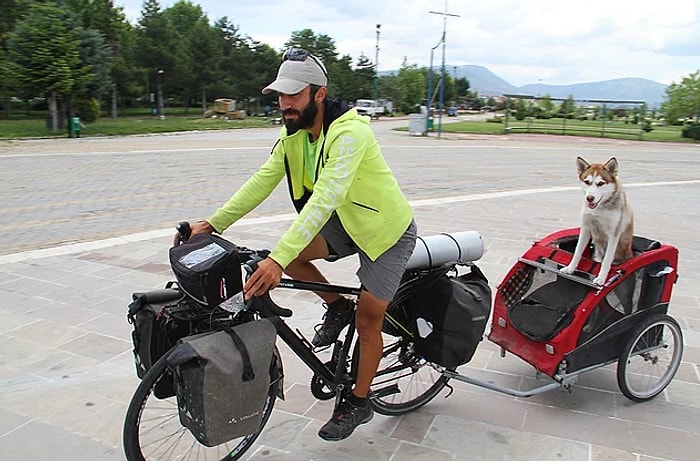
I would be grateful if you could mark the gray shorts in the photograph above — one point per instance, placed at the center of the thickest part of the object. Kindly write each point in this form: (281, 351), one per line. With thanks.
(382, 276)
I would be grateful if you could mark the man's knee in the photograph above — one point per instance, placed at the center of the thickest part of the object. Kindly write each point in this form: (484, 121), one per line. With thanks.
(369, 317)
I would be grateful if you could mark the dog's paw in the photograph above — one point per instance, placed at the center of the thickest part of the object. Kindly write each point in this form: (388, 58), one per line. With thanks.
(600, 281)
(568, 269)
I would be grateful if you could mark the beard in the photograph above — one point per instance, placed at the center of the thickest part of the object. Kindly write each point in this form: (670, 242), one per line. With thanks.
(304, 119)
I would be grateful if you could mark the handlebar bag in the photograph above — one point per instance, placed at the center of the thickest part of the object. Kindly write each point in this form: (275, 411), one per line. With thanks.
(223, 380)
(207, 268)
(450, 316)
(155, 332)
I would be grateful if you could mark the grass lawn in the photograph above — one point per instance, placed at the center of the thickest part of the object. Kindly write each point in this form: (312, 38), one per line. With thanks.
(34, 126)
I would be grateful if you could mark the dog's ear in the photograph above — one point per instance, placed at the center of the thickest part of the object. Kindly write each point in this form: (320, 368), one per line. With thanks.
(581, 165)
(611, 167)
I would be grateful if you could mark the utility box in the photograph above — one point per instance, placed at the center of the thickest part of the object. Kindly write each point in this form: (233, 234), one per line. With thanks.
(418, 124)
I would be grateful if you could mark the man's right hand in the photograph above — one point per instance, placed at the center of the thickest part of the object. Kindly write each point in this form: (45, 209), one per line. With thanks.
(199, 227)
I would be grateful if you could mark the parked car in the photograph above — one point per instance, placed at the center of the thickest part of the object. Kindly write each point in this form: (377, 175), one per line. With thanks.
(452, 111)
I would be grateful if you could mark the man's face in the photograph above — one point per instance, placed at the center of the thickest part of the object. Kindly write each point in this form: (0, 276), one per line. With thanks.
(298, 110)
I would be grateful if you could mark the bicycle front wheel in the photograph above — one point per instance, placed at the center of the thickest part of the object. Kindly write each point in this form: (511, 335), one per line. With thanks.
(152, 429)
(404, 381)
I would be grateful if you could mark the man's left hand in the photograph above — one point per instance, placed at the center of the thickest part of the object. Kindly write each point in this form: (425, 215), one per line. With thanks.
(266, 277)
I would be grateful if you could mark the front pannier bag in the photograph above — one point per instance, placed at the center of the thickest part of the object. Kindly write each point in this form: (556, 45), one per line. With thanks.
(155, 332)
(207, 268)
(222, 380)
(451, 315)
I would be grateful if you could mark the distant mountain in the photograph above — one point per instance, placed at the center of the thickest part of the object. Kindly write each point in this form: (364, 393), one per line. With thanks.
(486, 83)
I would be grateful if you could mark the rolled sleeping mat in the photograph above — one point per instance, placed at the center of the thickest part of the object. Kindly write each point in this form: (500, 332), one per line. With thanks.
(435, 250)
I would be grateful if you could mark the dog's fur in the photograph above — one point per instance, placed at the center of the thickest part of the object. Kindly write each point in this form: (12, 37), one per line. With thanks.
(607, 218)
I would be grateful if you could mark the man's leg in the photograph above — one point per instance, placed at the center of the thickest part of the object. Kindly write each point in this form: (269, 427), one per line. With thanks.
(339, 307)
(355, 409)
(369, 320)
(303, 269)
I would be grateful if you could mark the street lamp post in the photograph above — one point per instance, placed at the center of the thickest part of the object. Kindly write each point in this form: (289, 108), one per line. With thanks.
(161, 105)
(444, 15)
(375, 94)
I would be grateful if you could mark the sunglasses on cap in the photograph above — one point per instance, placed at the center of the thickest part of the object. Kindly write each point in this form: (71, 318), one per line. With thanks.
(300, 54)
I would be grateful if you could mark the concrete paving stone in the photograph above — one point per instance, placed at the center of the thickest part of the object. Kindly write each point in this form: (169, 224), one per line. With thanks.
(13, 320)
(660, 412)
(264, 452)
(472, 440)
(683, 393)
(498, 410)
(368, 439)
(110, 325)
(611, 454)
(46, 333)
(10, 421)
(414, 426)
(594, 429)
(663, 443)
(96, 346)
(412, 452)
(21, 444)
(580, 399)
(282, 428)
(63, 313)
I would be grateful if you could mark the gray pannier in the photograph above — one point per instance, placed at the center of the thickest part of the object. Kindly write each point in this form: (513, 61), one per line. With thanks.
(222, 380)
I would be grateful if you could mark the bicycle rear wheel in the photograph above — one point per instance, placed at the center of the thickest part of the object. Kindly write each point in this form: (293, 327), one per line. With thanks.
(404, 381)
(152, 429)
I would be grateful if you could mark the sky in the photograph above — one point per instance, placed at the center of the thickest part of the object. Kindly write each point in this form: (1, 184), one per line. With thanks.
(554, 42)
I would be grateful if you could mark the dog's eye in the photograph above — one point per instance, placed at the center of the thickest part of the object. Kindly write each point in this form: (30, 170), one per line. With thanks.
(600, 183)
(587, 182)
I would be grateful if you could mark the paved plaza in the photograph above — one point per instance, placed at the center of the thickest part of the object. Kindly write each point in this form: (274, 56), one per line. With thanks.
(89, 221)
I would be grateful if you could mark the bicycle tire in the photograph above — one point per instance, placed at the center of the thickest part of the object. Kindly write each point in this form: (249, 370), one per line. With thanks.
(650, 358)
(152, 429)
(416, 380)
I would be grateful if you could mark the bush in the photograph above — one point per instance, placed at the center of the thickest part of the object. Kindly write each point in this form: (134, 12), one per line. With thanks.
(88, 109)
(691, 131)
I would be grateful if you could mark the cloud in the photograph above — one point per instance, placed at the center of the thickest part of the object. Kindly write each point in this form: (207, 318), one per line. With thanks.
(523, 42)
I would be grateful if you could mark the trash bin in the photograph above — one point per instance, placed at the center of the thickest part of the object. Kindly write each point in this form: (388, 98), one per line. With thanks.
(430, 123)
(417, 124)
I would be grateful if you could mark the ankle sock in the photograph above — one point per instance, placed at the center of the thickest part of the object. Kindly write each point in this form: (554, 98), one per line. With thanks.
(357, 401)
(341, 304)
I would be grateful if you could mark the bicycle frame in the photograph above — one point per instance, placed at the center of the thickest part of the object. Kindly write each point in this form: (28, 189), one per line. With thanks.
(296, 342)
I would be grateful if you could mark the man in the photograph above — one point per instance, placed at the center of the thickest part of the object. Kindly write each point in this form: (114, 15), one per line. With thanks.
(348, 202)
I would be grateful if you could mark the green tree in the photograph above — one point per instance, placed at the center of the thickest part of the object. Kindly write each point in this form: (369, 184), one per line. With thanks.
(683, 99)
(12, 11)
(413, 84)
(567, 109)
(44, 56)
(159, 51)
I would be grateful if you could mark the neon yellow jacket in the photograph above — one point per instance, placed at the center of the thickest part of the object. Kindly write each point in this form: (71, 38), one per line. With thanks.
(353, 180)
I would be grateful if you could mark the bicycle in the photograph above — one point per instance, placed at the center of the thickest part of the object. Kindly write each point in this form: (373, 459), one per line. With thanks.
(404, 380)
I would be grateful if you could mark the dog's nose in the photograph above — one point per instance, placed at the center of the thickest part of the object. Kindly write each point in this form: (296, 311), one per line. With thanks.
(590, 198)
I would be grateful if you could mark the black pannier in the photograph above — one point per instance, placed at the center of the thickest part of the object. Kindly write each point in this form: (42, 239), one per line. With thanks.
(450, 316)
(155, 332)
(207, 268)
(222, 380)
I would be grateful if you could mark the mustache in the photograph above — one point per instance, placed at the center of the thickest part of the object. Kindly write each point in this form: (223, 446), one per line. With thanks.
(291, 112)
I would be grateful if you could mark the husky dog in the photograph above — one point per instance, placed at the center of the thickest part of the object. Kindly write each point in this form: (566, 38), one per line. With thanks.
(606, 218)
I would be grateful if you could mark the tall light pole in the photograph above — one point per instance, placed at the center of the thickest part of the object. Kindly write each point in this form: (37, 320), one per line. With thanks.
(159, 91)
(444, 15)
(375, 94)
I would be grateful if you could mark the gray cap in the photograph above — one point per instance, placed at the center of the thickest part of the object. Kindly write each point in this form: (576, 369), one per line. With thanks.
(294, 76)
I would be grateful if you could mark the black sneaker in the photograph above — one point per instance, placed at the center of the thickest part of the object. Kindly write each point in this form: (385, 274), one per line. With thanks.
(334, 321)
(344, 421)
